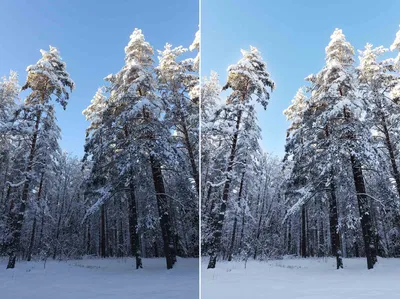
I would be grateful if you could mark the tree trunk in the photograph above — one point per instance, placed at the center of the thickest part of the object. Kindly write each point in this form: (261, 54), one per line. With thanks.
(32, 240)
(133, 224)
(218, 223)
(191, 154)
(235, 221)
(242, 229)
(18, 218)
(120, 239)
(59, 222)
(41, 231)
(321, 239)
(392, 155)
(88, 251)
(289, 237)
(103, 232)
(261, 215)
(303, 246)
(334, 225)
(3, 202)
(163, 212)
(364, 209)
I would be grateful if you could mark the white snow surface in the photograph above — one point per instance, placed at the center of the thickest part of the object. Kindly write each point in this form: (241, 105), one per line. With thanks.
(100, 279)
(309, 278)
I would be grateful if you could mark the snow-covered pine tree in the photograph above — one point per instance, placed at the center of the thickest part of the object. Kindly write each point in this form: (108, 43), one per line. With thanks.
(336, 114)
(247, 79)
(47, 79)
(377, 81)
(135, 85)
(48, 155)
(175, 81)
(9, 91)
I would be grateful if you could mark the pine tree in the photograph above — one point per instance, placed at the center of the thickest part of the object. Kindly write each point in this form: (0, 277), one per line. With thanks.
(46, 79)
(176, 81)
(135, 110)
(336, 109)
(247, 78)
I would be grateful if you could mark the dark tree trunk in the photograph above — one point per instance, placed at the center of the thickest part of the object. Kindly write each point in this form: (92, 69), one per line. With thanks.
(8, 198)
(156, 254)
(235, 221)
(88, 242)
(303, 246)
(258, 233)
(41, 231)
(169, 250)
(187, 142)
(321, 239)
(120, 239)
(32, 240)
(3, 202)
(192, 160)
(219, 221)
(208, 201)
(115, 238)
(18, 218)
(334, 225)
(315, 239)
(242, 230)
(133, 224)
(308, 237)
(289, 237)
(356, 249)
(364, 209)
(103, 245)
(58, 229)
(392, 155)
(232, 239)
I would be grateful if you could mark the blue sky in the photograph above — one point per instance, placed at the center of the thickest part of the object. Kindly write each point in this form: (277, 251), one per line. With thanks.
(292, 36)
(91, 36)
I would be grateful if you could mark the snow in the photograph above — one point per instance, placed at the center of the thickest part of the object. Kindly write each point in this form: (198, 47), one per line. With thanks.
(100, 278)
(310, 278)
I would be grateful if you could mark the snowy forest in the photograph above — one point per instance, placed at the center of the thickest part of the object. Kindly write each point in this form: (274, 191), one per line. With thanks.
(135, 191)
(335, 192)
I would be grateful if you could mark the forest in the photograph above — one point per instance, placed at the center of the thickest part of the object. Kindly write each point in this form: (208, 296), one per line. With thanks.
(135, 191)
(335, 192)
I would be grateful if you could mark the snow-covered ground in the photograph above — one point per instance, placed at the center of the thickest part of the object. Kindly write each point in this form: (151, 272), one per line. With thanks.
(100, 279)
(302, 279)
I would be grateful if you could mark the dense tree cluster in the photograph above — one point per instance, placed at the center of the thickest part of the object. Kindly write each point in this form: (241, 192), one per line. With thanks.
(135, 193)
(142, 152)
(337, 190)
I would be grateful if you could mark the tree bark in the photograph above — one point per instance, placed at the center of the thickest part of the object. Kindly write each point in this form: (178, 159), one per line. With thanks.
(32, 240)
(334, 225)
(163, 212)
(191, 154)
(89, 237)
(364, 209)
(289, 237)
(133, 224)
(18, 218)
(261, 216)
(218, 223)
(58, 230)
(303, 246)
(103, 253)
(392, 155)
(235, 220)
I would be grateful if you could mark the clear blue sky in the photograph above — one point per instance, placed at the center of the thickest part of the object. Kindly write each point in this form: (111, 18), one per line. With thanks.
(91, 36)
(292, 36)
